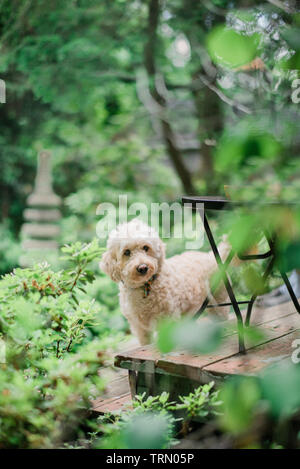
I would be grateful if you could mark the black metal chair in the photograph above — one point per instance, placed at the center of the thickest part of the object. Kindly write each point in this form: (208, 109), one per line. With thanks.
(219, 203)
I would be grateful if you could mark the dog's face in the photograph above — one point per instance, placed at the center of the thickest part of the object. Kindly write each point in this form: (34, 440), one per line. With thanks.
(134, 259)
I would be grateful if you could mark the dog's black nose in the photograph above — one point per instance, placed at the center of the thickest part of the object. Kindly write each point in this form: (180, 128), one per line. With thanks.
(142, 269)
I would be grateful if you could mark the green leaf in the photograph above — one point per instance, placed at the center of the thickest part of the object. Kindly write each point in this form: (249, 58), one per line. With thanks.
(147, 431)
(288, 256)
(189, 335)
(280, 388)
(165, 339)
(292, 37)
(293, 63)
(240, 398)
(231, 49)
(253, 280)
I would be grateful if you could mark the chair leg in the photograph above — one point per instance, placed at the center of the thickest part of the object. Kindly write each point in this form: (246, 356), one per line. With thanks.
(285, 277)
(249, 310)
(290, 290)
(202, 309)
(240, 325)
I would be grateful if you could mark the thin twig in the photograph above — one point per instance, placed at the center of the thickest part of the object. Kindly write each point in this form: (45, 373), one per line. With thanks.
(69, 345)
(225, 98)
(282, 6)
(76, 279)
(57, 349)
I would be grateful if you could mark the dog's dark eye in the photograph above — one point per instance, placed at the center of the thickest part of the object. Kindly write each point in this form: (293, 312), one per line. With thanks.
(146, 248)
(127, 252)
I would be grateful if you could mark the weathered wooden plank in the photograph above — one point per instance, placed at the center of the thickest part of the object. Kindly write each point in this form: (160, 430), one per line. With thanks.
(180, 372)
(111, 405)
(256, 358)
(116, 379)
(116, 384)
(156, 383)
(263, 315)
(259, 317)
(147, 359)
(197, 367)
(146, 352)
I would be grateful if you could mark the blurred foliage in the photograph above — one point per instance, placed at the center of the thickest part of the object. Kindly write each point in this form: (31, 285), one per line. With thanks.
(73, 86)
(188, 335)
(137, 430)
(148, 99)
(259, 411)
(229, 48)
(48, 370)
(243, 412)
(263, 412)
(72, 72)
(239, 397)
(279, 387)
(154, 421)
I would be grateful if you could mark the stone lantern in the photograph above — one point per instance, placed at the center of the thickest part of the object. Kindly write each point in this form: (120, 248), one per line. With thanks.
(41, 229)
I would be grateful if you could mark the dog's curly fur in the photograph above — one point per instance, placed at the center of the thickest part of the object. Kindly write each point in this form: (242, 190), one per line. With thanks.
(181, 282)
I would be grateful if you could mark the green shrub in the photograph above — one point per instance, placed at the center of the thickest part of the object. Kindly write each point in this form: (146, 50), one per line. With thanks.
(48, 372)
(154, 421)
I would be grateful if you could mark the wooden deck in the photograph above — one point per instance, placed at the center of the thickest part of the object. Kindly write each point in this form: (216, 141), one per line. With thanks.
(116, 395)
(180, 372)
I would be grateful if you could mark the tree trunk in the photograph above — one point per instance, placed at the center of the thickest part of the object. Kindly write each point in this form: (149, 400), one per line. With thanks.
(210, 125)
(168, 134)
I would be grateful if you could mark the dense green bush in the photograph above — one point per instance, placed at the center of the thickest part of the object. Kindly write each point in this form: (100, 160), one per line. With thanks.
(49, 369)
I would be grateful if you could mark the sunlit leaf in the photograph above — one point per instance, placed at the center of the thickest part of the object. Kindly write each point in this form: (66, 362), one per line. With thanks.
(189, 335)
(293, 63)
(231, 49)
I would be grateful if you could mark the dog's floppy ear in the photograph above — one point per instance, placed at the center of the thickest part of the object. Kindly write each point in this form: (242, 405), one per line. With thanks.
(109, 266)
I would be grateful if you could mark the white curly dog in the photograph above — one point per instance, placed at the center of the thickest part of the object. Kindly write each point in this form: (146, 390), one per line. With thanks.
(153, 287)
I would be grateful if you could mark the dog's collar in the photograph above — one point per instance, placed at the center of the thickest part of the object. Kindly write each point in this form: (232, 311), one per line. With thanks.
(147, 285)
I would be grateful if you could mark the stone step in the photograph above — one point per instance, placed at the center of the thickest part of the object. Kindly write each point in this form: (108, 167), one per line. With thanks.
(42, 215)
(39, 244)
(45, 230)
